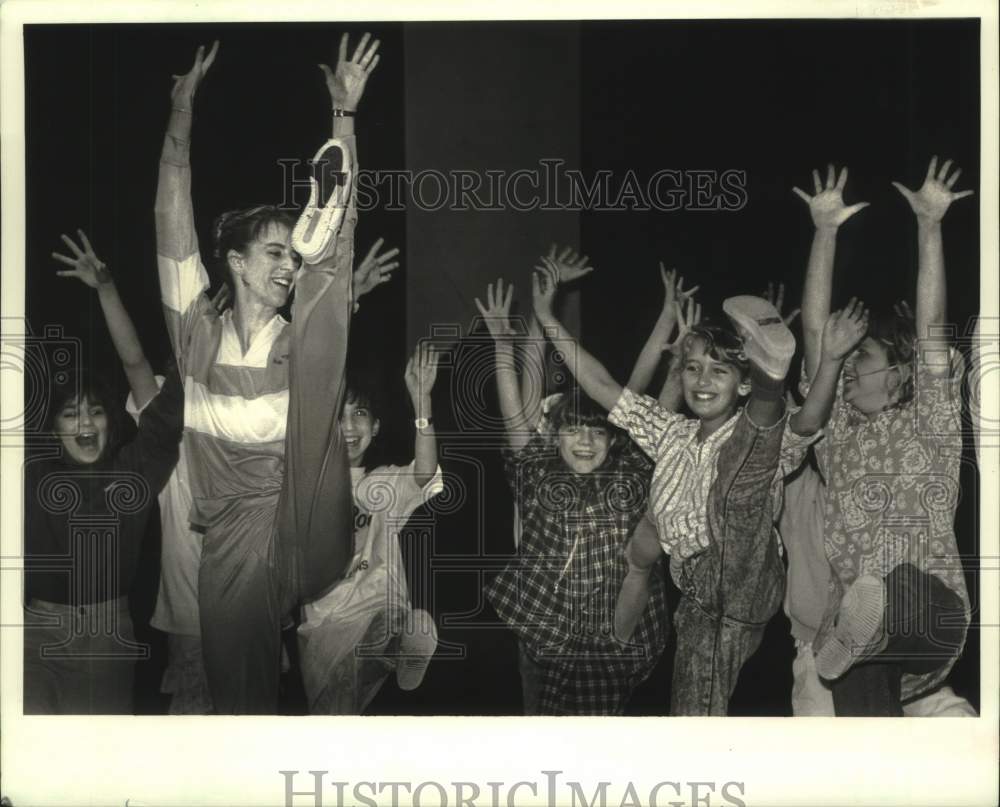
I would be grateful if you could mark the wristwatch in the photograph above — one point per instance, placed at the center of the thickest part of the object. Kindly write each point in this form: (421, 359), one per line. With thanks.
(423, 423)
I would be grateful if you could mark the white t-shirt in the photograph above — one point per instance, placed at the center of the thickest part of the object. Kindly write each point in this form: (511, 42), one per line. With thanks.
(180, 553)
(334, 625)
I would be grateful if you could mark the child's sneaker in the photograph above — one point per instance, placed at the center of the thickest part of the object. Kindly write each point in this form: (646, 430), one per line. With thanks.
(858, 630)
(416, 647)
(767, 342)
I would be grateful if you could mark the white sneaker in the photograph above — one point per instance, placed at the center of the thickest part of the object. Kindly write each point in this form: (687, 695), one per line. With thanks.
(416, 648)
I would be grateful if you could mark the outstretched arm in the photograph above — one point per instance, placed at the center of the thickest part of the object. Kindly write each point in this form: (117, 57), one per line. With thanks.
(841, 334)
(672, 392)
(496, 313)
(421, 372)
(175, 232)
(591, 375)
(929, 205)
(92, 271)
(828, 213)
(572, 266)
(346, 84)
(651, 353)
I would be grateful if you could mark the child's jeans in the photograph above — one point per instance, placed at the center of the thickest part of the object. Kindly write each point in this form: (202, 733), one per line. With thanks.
(924, 627)
(732, 589)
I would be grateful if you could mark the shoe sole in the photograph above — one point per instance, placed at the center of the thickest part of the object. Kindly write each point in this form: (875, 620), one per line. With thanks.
(416, 650)
(851, 643)
(771, 344)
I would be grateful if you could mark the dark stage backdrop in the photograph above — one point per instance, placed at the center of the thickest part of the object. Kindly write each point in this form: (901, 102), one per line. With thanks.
(770, 99)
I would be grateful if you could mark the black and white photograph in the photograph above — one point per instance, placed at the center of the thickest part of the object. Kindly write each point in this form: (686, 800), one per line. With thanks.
(378, 389)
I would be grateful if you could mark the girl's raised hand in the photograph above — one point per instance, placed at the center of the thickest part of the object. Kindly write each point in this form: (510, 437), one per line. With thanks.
(87, 267)
(182, 93)
(777, 299)
(827, 205)
(570, 265)
(421, 371)
(931, 202)
(496, 312)
(544, 285)
(673, 288)
(374, 269)
(346, 82)
(688, 317)
(844, 329)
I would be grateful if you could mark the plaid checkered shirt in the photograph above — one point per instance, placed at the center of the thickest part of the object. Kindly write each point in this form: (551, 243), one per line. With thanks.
(558, 595)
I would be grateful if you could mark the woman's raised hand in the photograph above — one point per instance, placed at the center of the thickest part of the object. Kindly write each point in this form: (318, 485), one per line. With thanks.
(185, 86)
(827, 205)
(496, 312)
(931, 202)
(346, 82)
(87, 267)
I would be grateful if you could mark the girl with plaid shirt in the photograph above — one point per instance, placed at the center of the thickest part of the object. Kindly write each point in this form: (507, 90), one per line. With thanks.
(581, 489)
(717, 482)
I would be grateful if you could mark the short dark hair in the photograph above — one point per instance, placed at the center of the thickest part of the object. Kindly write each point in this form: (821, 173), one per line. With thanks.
(576, 408)
(722, 344)
(97, 390)
(898, 335)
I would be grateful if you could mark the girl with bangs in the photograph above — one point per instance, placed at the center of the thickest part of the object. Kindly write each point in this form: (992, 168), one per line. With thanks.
(581, 486)
(716, 485)
(86, 513)
(365, 628)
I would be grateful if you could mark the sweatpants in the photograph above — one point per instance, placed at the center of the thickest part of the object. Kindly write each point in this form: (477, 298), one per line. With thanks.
(264, 560)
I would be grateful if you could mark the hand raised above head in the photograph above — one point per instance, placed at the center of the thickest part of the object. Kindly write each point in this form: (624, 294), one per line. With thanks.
(776, 297)
(844, 329)
(375, 269)
(673, 288)
(827, 205)
(688, 317)
(185, 86)
(346, 82)
(935, 196)
(496, 312)
(87, 267)
(571, 265)
(421, 371)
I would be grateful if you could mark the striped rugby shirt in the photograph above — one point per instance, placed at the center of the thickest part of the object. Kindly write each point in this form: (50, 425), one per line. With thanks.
(235, 404)
(686, 468)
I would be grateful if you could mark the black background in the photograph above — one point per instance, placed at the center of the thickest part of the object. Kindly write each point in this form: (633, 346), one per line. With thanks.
(771, 98)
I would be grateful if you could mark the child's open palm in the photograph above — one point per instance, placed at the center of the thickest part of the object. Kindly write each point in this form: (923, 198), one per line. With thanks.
(421, 371)
(844, 329)
(570, 265)
(87, 267)
(496, 312)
